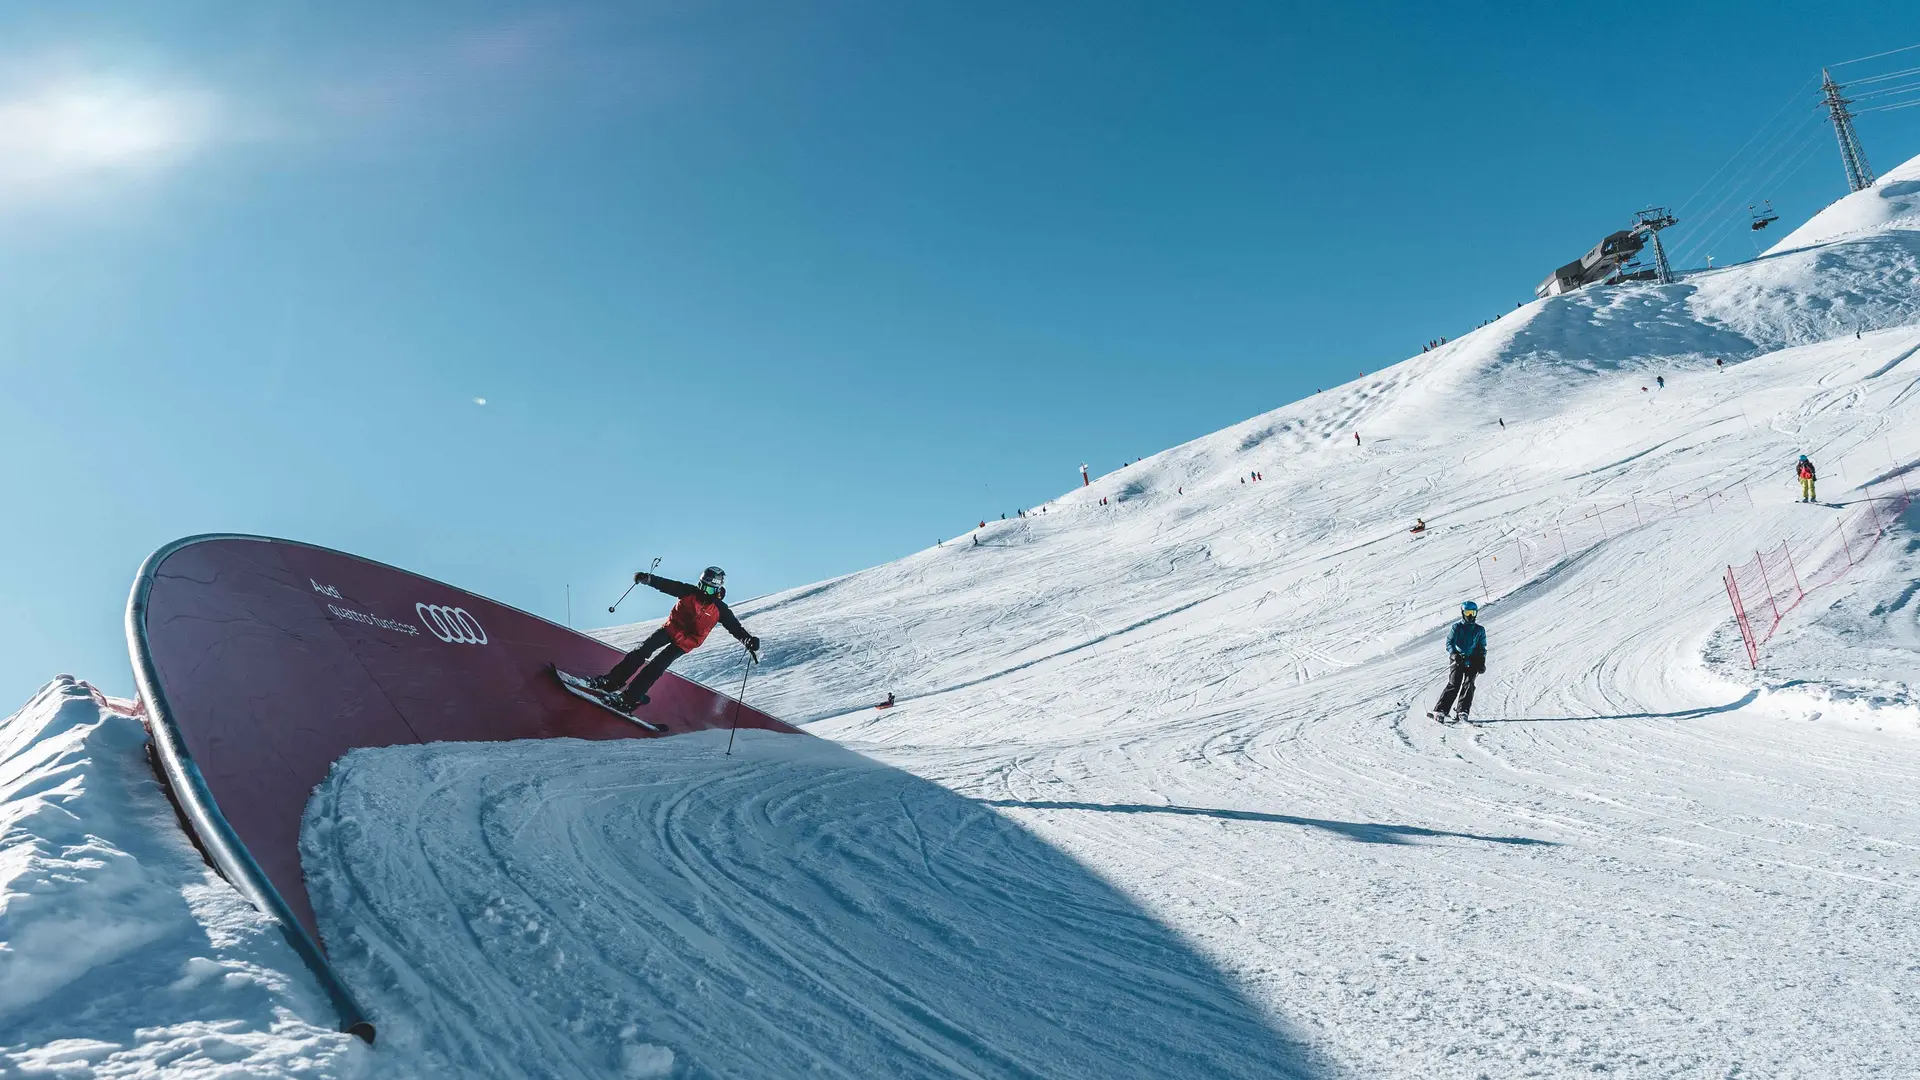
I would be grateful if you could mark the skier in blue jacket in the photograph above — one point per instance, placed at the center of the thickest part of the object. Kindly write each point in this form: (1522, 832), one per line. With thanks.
(1467, 651)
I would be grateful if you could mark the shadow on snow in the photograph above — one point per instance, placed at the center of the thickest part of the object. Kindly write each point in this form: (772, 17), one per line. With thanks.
(793, 909)
(1366, 832)
(1685, 714)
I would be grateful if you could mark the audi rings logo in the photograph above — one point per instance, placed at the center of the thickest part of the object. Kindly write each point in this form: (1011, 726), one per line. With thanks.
(451, 624)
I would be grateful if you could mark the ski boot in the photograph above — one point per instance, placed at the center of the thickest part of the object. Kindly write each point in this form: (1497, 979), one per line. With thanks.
(626, 702)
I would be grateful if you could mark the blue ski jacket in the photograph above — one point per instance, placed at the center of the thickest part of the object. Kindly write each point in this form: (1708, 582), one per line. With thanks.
(1467, 639)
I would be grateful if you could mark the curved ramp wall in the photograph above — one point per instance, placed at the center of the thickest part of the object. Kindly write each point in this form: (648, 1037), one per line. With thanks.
(261, 661)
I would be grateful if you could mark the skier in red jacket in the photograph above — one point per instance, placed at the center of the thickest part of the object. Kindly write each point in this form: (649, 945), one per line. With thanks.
(1804, 470)
(686, 628)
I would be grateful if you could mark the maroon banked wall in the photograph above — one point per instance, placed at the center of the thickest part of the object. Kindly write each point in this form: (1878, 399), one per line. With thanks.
(275, 658)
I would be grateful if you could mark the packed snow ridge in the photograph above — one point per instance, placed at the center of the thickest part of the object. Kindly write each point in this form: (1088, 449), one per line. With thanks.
(1160, 797)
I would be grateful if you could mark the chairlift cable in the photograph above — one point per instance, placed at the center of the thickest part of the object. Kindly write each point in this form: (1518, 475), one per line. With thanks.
(1883, 78)
(1792, 166)
(1762, 130)
(1752, 163)
(1885, 90)
(1729, 192)
(1888, 108)
(1798, 160)
(1875, 56)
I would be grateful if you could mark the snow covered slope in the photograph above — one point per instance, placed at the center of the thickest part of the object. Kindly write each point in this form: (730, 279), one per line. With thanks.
(1159, 798)
(1207, 695)
(1893, 202)
(121, 954)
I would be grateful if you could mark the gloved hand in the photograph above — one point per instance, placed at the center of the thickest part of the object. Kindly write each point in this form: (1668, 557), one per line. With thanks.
(641, 577)
(752, 643)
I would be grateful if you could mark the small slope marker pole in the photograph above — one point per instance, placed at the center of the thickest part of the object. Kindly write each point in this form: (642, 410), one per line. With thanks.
(734, 728)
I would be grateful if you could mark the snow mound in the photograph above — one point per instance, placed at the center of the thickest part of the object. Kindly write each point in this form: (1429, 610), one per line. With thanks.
(121, 954)
(1893, 202)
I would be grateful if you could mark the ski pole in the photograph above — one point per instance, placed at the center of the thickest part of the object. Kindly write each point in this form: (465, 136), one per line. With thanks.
(623, 596)
(752, 659)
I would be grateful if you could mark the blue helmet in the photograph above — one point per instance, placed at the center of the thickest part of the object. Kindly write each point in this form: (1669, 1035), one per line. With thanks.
(1469, 610)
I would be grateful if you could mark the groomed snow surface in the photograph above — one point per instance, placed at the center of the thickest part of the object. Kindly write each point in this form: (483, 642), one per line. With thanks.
(1159, 797)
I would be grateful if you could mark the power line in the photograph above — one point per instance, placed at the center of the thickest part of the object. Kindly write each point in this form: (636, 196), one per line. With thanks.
(1890, 108)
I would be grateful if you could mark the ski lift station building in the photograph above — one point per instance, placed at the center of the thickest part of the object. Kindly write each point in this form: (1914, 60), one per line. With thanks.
(1597, 265)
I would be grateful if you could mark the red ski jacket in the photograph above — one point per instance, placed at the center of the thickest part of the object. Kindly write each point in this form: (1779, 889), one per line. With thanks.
(692, 619)
(1804, 470)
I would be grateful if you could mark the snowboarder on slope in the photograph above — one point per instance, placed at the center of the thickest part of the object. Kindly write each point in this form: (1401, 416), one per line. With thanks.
(1467, 652)
(686, 629)
(1804, 470)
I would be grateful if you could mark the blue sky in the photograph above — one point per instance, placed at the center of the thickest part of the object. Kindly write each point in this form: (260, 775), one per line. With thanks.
(792, 288)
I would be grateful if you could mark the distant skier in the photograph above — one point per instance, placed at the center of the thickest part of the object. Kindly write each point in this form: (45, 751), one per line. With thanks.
(1660, 381)
(887, 704)
(686, 629)
(1419, 525)
(1467, 652)
(1356, 438)
(1804, 470)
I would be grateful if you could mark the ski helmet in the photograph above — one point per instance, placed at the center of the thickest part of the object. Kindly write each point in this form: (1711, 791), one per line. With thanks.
(1469, 610)
(713, 581)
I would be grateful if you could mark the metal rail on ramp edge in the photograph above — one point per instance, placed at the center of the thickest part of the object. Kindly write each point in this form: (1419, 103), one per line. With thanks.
(217, 838)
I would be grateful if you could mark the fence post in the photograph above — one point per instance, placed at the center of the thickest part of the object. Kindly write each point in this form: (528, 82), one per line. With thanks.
(1603, 523)
(1792, 569)
(1523, 557)
(1563, 542)
(1636, 509)
(1768, 582)
(1848, 548)
(1484, 591)
(1740, 618)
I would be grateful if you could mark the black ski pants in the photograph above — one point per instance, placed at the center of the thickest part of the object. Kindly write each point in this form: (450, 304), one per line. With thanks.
(661, 648)
(1459, 685)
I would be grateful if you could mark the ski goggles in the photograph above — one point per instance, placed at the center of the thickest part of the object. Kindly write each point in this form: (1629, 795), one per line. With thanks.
(710, 590)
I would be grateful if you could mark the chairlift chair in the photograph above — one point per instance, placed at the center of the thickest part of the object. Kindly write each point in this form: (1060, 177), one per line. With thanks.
(1763, 218)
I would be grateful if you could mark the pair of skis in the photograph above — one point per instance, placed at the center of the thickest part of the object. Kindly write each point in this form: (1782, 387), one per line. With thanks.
(580, 688)
(1446, 719)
